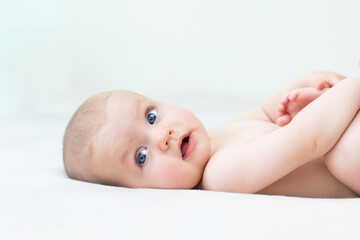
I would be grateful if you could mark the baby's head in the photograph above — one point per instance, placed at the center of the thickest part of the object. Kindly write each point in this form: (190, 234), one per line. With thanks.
(125, 139)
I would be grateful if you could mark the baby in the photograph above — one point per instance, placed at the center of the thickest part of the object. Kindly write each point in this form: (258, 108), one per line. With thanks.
(125, 139)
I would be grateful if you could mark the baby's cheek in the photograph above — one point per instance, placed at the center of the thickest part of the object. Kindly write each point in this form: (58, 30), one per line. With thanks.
(163, 173)
(177, 178)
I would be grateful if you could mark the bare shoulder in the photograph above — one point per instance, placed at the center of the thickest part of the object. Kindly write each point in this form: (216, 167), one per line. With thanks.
(255, 114)
(222, 171)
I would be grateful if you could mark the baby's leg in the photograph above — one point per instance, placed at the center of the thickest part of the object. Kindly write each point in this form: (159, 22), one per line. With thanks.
(294, 101)
(343, 160)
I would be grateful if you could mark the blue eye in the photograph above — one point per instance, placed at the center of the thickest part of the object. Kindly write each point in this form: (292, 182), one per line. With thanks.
(151, 116)
(141, 157)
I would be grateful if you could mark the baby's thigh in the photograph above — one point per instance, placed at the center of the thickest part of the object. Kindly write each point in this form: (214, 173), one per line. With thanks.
(343, 160)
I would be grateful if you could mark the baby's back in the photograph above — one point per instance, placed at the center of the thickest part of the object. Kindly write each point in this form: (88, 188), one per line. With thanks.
(312, 179)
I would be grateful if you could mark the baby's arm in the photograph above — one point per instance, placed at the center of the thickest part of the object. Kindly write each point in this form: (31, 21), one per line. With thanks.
(252, 166)
(314, 79)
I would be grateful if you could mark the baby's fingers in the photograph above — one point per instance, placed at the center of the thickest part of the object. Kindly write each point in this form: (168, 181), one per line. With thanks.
(324, 84)
(329, 79)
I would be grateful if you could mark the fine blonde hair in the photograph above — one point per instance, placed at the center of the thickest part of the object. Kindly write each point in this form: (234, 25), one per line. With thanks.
(83, 126)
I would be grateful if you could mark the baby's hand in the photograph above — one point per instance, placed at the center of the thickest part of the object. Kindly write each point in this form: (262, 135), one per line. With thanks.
(320, 79)
(327, 83)
(294, 101)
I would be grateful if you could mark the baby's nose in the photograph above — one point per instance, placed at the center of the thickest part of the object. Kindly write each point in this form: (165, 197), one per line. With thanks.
(164, 138)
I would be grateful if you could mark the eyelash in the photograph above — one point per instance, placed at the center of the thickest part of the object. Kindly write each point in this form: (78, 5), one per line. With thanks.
(137, 155)
(149, 109)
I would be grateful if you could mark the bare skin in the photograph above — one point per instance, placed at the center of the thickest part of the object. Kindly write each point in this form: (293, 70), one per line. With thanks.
(343, 160)
(263, 165)
(313, 179)
(344, 153)
(294, 101)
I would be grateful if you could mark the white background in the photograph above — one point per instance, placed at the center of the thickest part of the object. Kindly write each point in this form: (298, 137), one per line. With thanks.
(54, 54)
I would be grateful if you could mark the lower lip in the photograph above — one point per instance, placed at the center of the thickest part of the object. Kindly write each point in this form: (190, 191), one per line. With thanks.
(190, 147)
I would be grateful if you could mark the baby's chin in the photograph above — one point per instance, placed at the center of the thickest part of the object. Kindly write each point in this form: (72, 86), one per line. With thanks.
(185, 182)
(179, 186)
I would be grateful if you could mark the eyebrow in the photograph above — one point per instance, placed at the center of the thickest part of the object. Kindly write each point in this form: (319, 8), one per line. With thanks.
(138, 107)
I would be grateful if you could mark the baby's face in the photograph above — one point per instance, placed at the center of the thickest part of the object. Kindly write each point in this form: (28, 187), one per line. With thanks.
(150, 144)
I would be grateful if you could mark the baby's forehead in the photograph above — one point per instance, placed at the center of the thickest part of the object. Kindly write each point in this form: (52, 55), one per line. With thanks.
(124, 97)
(122, 106)
(118, 131)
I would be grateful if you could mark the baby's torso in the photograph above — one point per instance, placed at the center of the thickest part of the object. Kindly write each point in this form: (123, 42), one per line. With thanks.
(238, 131)
(310, 180)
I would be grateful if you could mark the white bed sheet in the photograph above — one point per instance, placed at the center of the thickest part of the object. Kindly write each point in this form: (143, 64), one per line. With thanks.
(38, 201)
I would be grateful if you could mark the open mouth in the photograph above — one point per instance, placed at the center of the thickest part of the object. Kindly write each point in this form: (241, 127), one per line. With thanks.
(184, 146)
